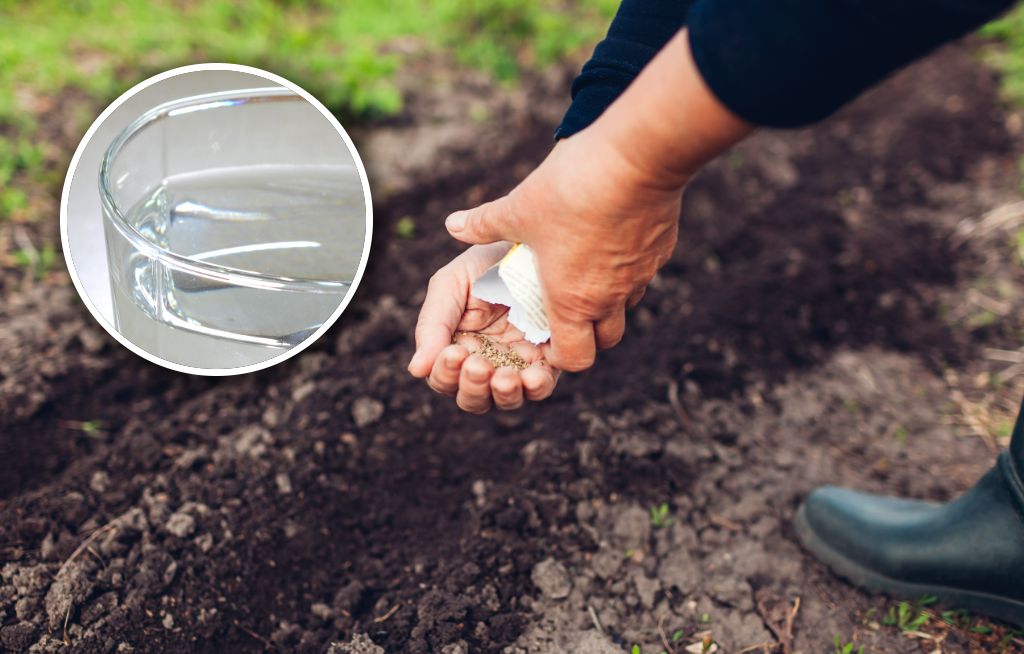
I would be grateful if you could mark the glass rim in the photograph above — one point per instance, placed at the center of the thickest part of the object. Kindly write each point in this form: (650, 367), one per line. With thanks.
(226, 274)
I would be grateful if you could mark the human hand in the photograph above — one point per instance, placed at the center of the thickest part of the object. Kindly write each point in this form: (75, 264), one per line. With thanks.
(600, 213)
(467, 348)
(599, 227)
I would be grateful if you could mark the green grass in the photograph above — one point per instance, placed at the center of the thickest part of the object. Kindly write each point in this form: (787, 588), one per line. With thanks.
(405, 228)
(345, 52)
(39, 263)
(660, 515)
(1010, 58)
(907, 616)
(842, 647)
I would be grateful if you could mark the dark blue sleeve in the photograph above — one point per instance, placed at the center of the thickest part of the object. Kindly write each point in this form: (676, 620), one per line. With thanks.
(789, 63)
(777, 63)
(641, 28)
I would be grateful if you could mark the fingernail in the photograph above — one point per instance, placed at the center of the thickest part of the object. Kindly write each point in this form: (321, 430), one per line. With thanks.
(452, 362)
(456, 222)
(412, 361)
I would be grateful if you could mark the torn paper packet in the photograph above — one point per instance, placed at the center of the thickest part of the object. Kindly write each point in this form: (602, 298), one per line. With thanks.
(513, 282)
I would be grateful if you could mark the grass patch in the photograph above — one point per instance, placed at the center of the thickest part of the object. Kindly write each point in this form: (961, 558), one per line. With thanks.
(660, 515)
(843, 647)
(345, 53)
(1009, 59)
(906, 616)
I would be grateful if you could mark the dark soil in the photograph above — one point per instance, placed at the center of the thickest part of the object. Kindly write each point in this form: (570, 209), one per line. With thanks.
(332, 495)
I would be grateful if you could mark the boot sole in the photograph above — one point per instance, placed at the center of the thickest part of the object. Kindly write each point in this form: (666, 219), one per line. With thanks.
(1002, 608)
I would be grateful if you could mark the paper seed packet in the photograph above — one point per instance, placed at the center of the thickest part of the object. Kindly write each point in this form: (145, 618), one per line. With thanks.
(513, 282)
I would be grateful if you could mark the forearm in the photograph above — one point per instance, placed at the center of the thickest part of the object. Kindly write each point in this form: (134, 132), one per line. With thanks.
(668, 123)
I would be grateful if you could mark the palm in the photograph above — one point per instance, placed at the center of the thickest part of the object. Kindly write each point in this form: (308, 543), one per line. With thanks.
(485, 329)
(467, 347)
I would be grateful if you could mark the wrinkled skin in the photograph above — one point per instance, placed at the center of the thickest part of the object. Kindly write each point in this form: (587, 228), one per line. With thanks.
(600, 229)
(450, 312)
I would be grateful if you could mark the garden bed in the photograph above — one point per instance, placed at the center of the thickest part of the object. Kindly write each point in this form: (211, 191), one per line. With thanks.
(818, 323)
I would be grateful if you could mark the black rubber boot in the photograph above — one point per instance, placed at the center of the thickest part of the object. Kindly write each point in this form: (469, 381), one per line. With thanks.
(968, 552)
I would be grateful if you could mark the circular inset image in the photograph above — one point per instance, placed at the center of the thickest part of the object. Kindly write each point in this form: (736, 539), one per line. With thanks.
(216, 219)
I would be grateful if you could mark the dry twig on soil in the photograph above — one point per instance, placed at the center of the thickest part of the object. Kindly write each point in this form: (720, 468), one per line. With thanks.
(783, 634)
(266, 643)
(595, 619)
(386, 616)
(664, 639)
(685, 420)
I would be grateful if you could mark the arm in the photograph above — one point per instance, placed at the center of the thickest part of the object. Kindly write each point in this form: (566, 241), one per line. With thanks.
(601, 212)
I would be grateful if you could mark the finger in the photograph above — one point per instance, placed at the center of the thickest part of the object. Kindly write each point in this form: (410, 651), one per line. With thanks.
(442, 309)
(572, 345)
(636, 296)
(474, 395)
(444, 376)
(507, 389)
(608, 331)
(539, 381)
(480, 315)
(488, 223)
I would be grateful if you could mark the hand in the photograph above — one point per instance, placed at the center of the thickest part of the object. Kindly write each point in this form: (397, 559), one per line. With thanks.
(601, 211)
(599, 227)
(482, 338)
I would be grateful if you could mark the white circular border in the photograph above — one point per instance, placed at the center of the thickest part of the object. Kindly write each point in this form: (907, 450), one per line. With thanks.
(216, 372)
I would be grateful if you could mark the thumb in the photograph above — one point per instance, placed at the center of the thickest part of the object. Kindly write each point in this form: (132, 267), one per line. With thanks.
(488, 223)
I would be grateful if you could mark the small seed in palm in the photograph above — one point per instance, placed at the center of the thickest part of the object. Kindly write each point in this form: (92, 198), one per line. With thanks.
(498, 355)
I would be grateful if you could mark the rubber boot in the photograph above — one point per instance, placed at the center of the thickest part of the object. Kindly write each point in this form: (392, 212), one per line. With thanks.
(968, 552)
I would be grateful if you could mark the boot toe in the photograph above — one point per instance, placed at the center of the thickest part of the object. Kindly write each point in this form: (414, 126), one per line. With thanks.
(860, 527)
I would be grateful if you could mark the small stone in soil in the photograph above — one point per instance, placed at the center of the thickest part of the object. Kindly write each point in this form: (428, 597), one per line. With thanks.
(181, 525)
(360, 644)
(283, 483)
(459, 647)
(322, 611)
(366, 411)
(552, 579)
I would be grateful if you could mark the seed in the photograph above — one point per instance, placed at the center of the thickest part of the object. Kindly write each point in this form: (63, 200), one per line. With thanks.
(499, 356)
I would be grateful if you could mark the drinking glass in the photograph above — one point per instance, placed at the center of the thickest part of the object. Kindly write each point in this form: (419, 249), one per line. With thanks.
(234, 224)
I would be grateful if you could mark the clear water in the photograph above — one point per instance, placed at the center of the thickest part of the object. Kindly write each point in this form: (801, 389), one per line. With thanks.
(297, 222)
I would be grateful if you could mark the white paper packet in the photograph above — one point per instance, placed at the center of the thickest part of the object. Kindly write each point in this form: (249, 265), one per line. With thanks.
(513, 282)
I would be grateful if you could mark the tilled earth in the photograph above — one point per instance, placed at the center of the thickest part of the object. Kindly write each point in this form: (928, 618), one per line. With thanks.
(824, 320)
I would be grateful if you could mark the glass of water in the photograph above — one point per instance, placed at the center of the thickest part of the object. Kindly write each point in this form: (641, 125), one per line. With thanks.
(235, 224)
